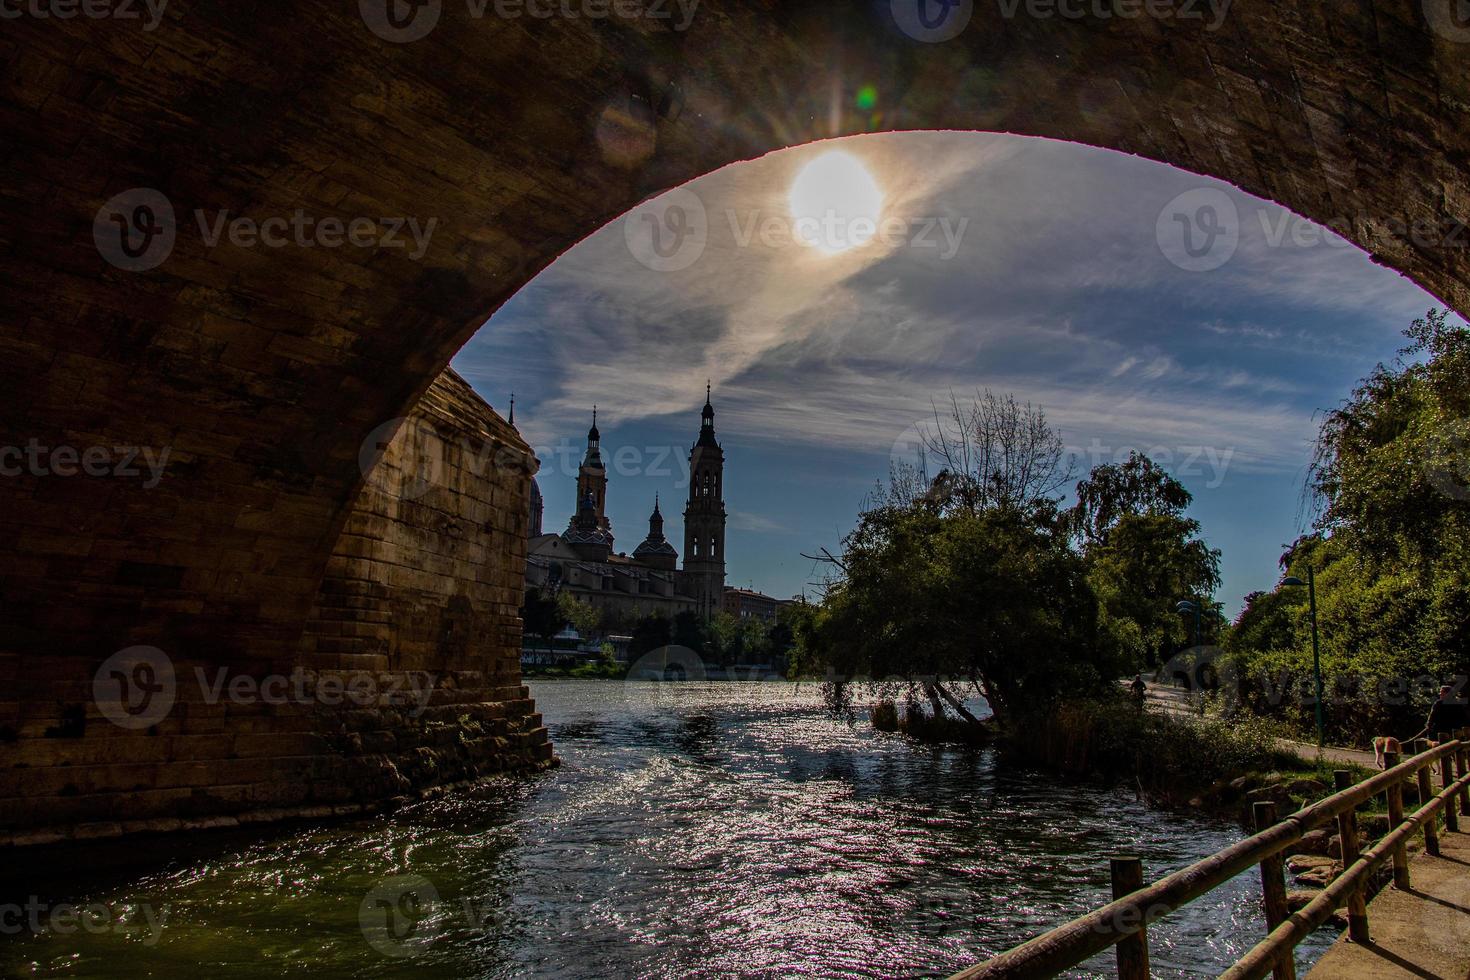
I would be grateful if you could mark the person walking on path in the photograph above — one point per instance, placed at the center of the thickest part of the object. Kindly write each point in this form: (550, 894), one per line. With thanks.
(1448, 714)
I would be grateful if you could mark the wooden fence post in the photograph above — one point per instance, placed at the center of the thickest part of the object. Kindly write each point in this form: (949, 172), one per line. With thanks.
(1347, 838)
(1273, 889)
(1462, 766)
(1396, 817)
(1426, 793)
(1447, 779)
(1132, 950)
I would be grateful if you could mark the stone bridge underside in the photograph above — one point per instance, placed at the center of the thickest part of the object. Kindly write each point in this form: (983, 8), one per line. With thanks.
(264, 370)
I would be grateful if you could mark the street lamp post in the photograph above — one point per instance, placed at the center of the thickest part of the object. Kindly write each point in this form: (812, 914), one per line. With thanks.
(1196, 681)
(1311, 584)
(1185, 606)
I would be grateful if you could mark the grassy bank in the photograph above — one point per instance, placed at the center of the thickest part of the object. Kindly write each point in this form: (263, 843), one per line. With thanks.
(1207, 762)
(593, 671)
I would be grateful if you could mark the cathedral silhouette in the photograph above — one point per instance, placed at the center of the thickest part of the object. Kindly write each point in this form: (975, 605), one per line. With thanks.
(581, 559)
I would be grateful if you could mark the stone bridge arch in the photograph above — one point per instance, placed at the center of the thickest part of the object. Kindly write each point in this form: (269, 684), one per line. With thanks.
(264, 369)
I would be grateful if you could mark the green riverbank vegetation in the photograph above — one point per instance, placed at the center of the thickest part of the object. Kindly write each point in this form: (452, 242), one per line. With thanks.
(981, 577)
(1390, 550)
(980, 580)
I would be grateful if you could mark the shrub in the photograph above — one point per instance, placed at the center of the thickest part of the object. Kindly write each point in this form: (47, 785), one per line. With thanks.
(1161, 755)
(885, 716)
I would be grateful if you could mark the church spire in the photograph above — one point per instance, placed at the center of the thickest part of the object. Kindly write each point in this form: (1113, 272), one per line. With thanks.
(512, 408)
(592, 485)
(594, 444)
(707, 420)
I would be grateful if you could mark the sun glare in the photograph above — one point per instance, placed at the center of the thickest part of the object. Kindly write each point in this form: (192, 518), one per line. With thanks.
(835, 203)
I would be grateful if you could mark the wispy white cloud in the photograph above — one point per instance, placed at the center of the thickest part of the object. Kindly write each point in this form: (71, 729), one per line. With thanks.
(740, 520)
(1059, 292)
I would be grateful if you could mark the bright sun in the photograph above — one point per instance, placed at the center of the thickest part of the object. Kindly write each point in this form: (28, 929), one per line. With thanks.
(835, 203)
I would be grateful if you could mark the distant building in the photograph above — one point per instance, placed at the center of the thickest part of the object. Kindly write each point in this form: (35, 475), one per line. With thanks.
(537, 506)
(581, 560)
(704, 518)
(745, 604)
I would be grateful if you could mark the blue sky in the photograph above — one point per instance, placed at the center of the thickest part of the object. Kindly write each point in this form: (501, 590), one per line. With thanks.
(1056, 272)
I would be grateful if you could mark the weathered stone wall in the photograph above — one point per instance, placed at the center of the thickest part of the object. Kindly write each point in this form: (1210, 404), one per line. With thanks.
(407, 678)
(262, 369)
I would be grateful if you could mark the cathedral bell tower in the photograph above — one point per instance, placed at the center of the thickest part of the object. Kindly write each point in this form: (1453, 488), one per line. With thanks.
(704, 518)
(592, 480)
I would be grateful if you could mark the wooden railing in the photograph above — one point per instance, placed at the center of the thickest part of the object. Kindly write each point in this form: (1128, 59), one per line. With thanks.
(1124, 922)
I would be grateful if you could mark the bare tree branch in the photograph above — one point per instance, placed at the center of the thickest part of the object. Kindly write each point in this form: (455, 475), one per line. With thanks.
(996, 452)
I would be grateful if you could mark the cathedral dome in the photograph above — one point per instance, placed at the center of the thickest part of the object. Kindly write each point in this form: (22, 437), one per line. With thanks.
(593, 535)
(655, 548)
(651, 549)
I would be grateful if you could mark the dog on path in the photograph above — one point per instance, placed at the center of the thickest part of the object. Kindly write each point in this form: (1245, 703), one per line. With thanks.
(1382, 746)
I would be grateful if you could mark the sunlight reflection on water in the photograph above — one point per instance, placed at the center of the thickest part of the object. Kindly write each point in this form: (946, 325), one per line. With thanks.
(693, 830)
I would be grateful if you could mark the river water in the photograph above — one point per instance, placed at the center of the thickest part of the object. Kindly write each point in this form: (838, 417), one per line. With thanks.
(693, 830)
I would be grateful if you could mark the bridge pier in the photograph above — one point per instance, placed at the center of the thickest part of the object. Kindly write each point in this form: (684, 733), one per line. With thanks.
(406, 676)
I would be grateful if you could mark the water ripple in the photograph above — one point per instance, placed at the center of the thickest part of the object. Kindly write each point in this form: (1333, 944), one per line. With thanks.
(694, 830)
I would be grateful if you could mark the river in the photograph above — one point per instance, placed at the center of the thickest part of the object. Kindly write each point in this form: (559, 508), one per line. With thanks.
(693, 830)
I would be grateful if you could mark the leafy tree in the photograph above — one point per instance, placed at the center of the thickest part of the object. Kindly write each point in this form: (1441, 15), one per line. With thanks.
(1114, 492)
(1267, 622)
(805, 658)
(723, 639)
(650, 633)
(993, 597)
(734, 640)
(781, 638)
(585, 618)
(1140, 573)
(1392, 468)
(754, 639)
(542, 616)
(1391, 553)
(690, 631)
(977, 576)
(1143, 555)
